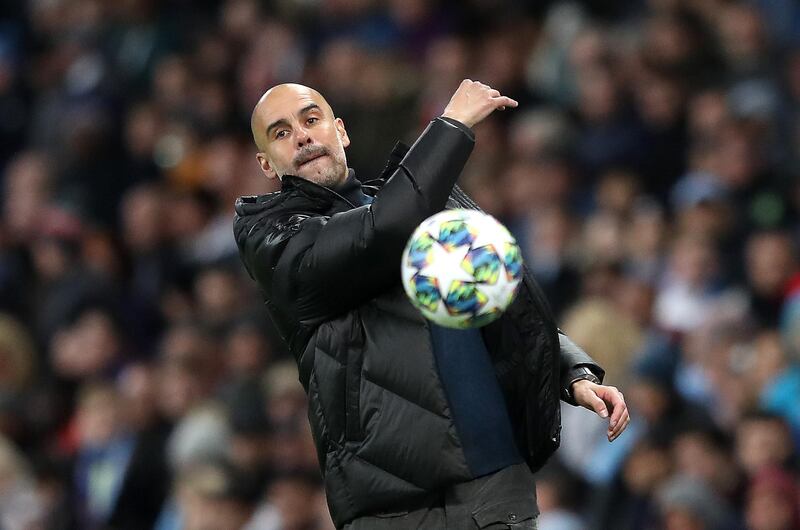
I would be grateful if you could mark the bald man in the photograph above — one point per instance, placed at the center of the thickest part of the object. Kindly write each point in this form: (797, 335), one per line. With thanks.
(307, 143)
(416, 426)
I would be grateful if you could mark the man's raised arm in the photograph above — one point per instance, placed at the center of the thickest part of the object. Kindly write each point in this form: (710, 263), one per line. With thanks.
(328, 265)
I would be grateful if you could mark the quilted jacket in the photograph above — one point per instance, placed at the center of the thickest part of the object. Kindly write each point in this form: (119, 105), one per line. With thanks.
(329, 271)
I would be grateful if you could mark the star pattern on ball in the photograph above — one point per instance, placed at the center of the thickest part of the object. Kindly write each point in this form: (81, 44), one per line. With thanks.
(446, 264)
(461, 268)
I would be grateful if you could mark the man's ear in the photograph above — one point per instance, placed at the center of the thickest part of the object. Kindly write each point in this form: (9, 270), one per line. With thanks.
(342, 132)
(266, 167)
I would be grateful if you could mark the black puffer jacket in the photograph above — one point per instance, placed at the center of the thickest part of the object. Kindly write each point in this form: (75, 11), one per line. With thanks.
(330, 275)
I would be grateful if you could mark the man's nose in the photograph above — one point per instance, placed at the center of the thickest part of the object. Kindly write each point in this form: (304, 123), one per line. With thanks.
(302, 137)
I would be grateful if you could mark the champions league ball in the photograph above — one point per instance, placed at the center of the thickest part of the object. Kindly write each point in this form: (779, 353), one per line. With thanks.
(461, 268)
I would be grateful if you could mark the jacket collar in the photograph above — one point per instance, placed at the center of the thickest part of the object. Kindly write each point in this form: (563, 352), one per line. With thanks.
(352, 190)
(291, 183)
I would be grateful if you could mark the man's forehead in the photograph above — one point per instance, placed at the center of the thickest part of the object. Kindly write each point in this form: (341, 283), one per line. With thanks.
(283, 101)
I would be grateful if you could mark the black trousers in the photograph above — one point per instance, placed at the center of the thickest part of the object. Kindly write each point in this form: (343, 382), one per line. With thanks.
(505, 499)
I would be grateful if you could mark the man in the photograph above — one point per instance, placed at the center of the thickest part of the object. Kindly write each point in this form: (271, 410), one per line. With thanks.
(416, 426)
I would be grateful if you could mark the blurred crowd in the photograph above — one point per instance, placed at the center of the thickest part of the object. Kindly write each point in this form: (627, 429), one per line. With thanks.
(651, 174)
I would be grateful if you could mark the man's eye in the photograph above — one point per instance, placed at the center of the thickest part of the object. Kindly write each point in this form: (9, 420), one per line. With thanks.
(281, 134)
(312, 120)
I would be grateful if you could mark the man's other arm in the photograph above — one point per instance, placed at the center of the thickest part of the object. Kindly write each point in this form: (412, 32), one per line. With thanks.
(607, 401)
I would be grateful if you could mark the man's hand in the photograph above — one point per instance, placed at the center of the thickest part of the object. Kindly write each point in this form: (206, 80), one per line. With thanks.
(473, 101)
(602, 399)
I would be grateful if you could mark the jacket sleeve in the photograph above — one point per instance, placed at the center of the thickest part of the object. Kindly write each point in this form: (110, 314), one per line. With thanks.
(332, 264)
(572, 357)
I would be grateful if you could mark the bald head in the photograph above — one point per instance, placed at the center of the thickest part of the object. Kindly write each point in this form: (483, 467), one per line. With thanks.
(277, 96)
(297, 133)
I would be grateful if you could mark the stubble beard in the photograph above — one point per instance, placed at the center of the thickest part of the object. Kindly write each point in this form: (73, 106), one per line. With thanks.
(332, 174)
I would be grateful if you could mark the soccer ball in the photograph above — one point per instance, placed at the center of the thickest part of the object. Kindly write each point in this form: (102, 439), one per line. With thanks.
(461, 268)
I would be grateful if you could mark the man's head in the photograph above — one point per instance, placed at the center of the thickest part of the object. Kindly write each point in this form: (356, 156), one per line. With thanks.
(297, 134)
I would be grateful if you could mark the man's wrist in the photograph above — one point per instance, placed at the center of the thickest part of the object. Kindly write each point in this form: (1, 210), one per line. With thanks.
(458, 124)
(579, 373)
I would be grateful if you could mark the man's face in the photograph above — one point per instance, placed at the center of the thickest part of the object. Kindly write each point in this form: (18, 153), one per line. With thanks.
(297, 134)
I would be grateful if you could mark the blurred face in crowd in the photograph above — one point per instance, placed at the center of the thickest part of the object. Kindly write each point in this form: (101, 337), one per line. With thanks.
(645, 233)
(180, 387)
(142, 220)
(667, 40)
(709, 218)
(768, 360)
(246, 350)
(186, 216)
(217, 294)
(446, 62)
(634, 298)
(603, 237)
(186, 371)
(737, 156)
(677, 518)
(25, 187)
(138, 391)
(742, 32)
(97, 415)
(142, 128)
(597, 94)
(708, 110)
(770, 262)
(293, 497)
(249, 450)
(617, 191)
(649, 399)
(551, 233)
(659, 100)
(696, 455)
(341, 60)
(86, 348)
(693, 260)
(204, 502)
(297, 134)
(292, 446)
(203, 513)
(762, 442)
(646, 468)
(519, 187)
(589, 49)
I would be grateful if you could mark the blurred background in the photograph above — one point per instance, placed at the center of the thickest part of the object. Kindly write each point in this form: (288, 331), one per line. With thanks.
(651, 174)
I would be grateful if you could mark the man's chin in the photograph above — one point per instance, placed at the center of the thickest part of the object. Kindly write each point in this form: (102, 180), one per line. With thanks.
(327, 176)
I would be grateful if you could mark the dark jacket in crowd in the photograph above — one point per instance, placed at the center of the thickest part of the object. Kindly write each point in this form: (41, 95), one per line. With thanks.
(330, 273)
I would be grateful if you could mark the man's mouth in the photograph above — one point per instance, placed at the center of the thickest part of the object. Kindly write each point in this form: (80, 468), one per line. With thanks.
(319, 155)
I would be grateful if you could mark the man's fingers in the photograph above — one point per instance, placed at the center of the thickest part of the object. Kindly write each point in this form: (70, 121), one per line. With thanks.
(473, 101)
(621, 425)
(620, 416)
(501, 102)
(623, 417)
(617, 405)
